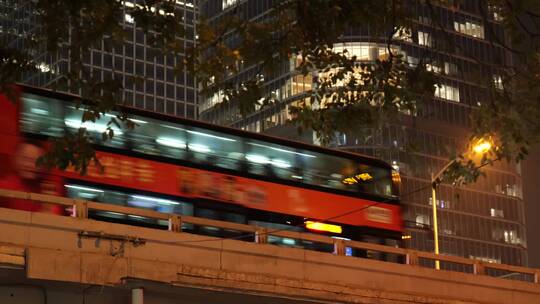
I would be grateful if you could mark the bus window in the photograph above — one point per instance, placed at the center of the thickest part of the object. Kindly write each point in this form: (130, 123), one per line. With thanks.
(85, 193)
(215, 149)
(272, 160)
(220, 216)
(41, 115)
(126, 199)
(73, 121)
(159, 138)
(374, 180)
(52, 117)
(329, 171)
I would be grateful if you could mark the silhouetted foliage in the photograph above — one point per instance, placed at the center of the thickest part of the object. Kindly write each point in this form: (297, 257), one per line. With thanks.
(349, 95)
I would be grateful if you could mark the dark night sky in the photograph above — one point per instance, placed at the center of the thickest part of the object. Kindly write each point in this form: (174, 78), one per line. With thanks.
(531, 193)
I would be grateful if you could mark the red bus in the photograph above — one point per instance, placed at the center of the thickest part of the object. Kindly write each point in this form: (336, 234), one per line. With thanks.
(188, 167)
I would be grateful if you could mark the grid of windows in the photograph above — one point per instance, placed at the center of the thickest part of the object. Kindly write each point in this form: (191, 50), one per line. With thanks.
(162, 90)
(484, 220)
(469, 27)
(488, 252)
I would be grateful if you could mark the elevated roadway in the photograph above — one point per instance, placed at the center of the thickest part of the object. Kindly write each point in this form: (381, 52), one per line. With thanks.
(46, 258)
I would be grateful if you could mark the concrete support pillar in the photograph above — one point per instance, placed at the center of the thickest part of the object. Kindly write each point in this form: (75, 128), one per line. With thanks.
(137, 296)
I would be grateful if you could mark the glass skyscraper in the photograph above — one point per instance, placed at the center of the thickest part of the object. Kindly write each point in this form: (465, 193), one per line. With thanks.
(162, 91)
(484, 220)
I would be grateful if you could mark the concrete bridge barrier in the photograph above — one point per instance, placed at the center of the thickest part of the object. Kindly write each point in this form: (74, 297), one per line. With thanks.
(84, 251)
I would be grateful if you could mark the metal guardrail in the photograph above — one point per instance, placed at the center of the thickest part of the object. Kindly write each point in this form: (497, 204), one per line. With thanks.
(261, 234)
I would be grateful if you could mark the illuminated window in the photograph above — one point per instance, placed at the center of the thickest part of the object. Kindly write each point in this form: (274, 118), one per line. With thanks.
(495, 13)
(128, 18)
(424, 39)
(216, 98)
(422, 220)
(498, 82)
(152, 9)
(444, 91)
(447, 68)
(450, 68)
(227, 3)
(496, 213)
(46, 68)
(433, 68)
(510, 236)
(471, 28)
(507, 235)
(365, 51)
(510, 190)
(403, 33)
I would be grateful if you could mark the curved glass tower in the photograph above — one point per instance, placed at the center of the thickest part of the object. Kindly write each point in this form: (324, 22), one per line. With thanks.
(484, 221)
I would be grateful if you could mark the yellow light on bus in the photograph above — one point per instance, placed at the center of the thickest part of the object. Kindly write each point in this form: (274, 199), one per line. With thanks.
(349, 181)
(364, 176)
(323, 227)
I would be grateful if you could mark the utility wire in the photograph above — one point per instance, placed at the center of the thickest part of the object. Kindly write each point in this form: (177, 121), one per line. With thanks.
(239, 237)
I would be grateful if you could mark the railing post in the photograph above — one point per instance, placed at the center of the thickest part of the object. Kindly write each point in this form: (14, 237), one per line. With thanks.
(411, 258)
(478, 268)
(261, 235)
(175, 223)
(537, 277)
(80, 209)
(339, 247)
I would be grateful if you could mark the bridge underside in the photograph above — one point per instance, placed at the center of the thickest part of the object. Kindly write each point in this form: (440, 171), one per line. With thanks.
(16, 288)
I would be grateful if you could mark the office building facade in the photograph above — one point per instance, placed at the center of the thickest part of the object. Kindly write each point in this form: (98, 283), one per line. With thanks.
(162, 90)
(484, 220)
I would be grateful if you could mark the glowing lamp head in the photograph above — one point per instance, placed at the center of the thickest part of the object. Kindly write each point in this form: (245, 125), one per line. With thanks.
(482, 146)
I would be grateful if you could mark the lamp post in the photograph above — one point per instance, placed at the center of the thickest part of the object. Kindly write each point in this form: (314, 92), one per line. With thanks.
(480, 147)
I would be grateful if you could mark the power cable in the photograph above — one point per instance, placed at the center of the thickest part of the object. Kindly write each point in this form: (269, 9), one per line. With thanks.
(239, 237)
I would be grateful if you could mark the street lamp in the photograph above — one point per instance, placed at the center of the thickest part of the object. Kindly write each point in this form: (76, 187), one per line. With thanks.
(481, 146)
